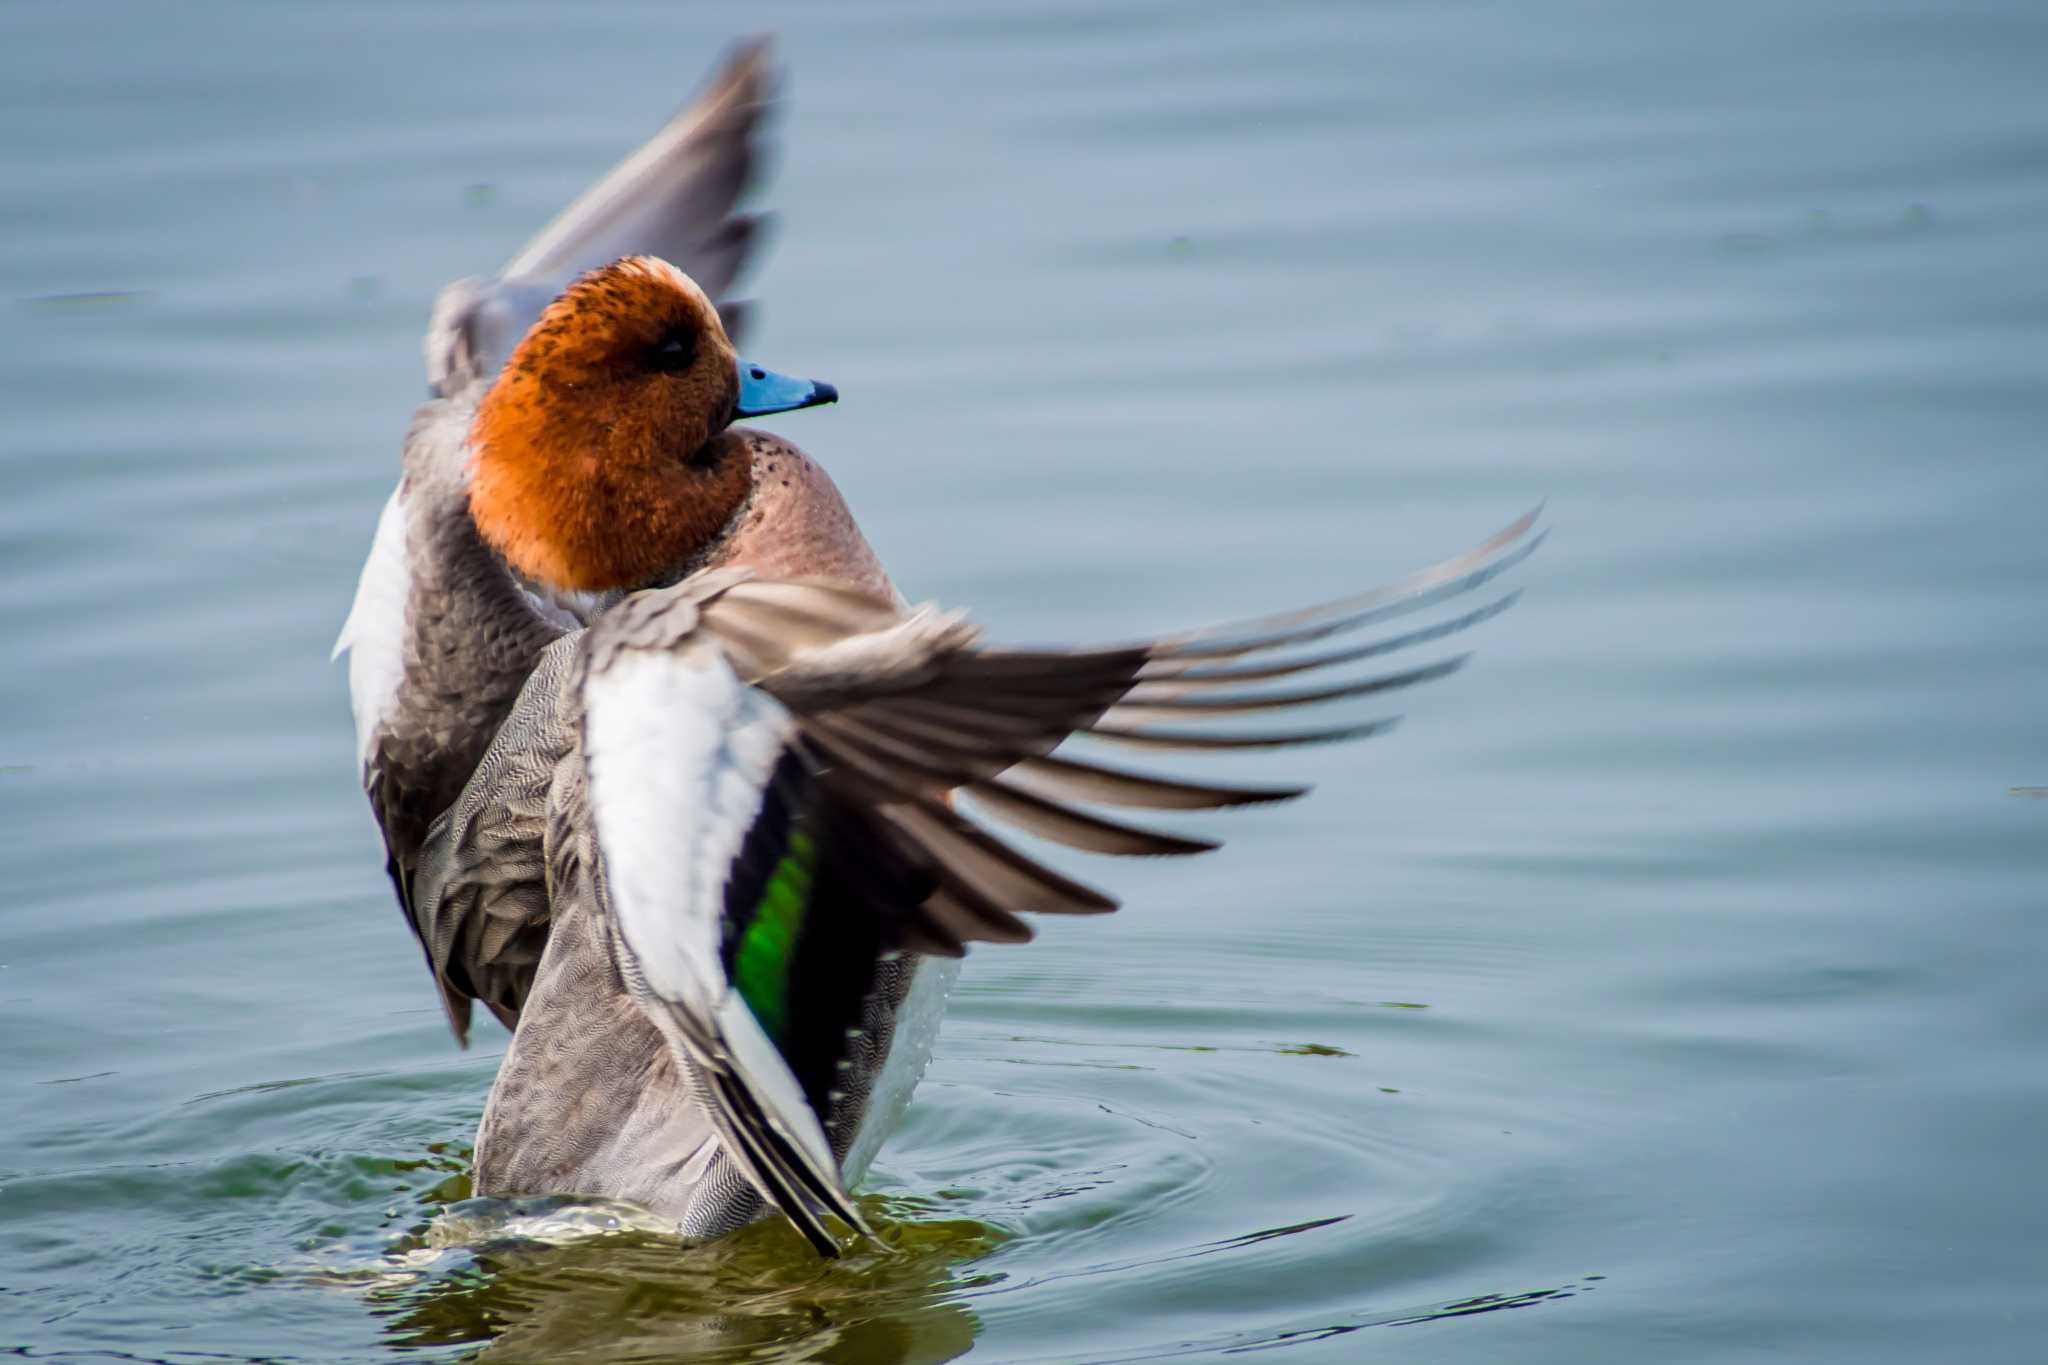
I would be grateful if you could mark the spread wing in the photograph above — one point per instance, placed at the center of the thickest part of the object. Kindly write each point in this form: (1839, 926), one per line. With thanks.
(676, 197)
(768, 766)
(900, 715)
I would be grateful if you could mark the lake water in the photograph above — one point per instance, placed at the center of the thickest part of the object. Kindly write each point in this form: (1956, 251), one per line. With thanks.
(1668, 988)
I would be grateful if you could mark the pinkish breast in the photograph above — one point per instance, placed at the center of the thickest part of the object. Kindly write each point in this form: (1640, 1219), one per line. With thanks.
(796, 525)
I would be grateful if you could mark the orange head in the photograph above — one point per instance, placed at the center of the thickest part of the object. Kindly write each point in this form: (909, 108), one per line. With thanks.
(599, 458)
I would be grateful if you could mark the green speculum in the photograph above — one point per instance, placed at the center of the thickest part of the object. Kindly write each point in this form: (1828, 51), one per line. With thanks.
(768, 948)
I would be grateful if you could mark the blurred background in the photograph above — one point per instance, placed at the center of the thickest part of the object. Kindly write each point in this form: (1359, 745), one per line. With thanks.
(1667, 988)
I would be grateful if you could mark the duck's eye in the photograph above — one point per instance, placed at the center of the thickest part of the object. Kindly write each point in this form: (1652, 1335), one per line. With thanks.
(674, 351)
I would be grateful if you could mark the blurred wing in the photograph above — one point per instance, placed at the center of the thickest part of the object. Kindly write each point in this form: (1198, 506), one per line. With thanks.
(676, 197)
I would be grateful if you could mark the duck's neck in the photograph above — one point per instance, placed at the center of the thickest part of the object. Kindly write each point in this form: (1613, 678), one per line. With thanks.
(594, 513)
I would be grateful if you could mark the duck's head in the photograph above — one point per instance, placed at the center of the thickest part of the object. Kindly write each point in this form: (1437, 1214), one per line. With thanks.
(600, 458)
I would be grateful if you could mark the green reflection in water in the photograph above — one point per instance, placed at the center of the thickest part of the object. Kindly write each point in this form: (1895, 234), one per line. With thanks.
(758, 1294)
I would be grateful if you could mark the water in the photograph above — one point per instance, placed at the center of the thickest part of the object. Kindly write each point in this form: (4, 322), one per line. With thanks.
(1668, 988)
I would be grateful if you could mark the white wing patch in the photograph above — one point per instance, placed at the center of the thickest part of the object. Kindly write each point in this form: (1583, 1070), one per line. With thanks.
(677, 755)
(678, 752)
(374, 633)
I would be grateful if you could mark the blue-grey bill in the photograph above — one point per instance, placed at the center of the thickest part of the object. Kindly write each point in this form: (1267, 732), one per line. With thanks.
(764, 391)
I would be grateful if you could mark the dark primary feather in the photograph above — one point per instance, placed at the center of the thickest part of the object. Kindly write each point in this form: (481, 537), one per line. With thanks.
(769, 1156)
(1152, 738)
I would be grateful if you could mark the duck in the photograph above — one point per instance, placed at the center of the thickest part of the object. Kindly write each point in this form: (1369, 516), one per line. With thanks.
(679, 786)
(444, 629)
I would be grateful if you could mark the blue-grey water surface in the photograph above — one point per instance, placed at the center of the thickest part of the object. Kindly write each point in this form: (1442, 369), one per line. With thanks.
(1671, 983)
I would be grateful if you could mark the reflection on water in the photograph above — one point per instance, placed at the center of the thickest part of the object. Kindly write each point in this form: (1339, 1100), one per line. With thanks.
(589, 1281)
(579, 1291)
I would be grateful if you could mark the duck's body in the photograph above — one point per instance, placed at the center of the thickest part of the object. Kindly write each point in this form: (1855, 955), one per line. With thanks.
(448, 627)
(443, 631)
(666, 773)
(443, 636)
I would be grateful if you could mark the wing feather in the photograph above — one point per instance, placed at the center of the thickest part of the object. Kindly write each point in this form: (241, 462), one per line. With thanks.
(1151, 738)
(1415, 592)
(1186, 672)
(1170, 701)
(1077, 828)
(1078, 780)
(677, 755)
(976, 866)
(674, 196)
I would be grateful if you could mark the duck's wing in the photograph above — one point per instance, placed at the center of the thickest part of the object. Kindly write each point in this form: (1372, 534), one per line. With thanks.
(766, 764)
(676, 197)
(709, 856)
(743, 914)
(901, 714)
